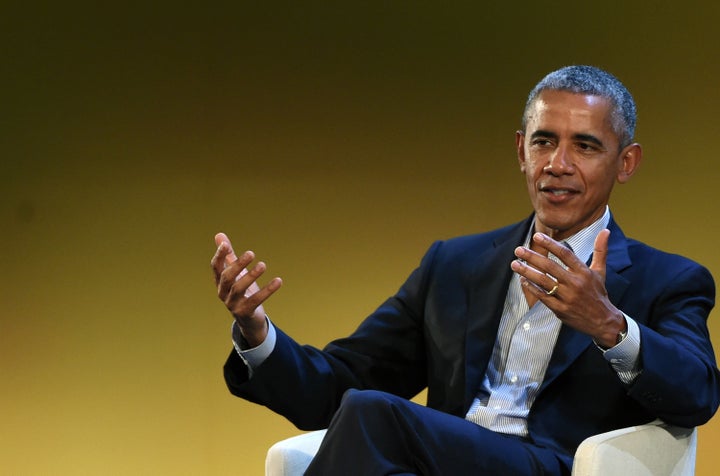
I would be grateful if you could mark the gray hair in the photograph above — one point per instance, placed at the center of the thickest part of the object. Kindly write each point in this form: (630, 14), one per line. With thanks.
(596, 82)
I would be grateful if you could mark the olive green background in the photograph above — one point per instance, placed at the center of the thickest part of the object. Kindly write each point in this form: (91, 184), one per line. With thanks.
(336, 139)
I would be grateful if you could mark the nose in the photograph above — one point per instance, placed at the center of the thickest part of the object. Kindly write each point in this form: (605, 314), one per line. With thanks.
(560, 162)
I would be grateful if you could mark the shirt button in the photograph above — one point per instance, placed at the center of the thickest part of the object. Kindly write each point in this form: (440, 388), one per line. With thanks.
(526, 326)
(514, 378)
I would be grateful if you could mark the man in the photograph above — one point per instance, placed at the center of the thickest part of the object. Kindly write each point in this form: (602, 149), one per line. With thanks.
(529, 338)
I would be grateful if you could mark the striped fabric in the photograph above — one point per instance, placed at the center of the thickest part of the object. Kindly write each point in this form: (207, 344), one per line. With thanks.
(522, 351)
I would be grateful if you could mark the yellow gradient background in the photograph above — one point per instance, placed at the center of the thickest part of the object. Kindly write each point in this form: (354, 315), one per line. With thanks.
(336, 139)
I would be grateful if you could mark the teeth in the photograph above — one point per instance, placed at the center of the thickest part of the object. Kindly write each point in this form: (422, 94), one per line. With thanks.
(560, 192)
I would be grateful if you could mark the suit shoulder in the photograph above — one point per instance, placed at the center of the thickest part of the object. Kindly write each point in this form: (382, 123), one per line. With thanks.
(484, 238)
(654, 258)
(638, 249)
(468, 247)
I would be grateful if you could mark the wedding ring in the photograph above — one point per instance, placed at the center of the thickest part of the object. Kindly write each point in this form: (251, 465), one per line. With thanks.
(552, 291)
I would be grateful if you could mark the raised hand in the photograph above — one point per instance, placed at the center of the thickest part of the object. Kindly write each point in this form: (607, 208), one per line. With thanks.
(237, 288)
(576, 295)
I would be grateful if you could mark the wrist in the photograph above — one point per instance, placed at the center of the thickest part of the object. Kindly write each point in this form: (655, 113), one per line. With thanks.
(615, 333)
(254, 335)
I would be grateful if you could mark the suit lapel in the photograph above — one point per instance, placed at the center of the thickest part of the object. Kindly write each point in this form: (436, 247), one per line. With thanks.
(571, 343)
(489, 279)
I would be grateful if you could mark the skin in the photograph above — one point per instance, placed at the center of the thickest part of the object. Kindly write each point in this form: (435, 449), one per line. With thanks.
(571, 158)
(238, 289)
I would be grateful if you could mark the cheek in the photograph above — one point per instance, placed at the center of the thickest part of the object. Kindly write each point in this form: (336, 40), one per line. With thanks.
(599, 176)
(531, 170)
(599, 184)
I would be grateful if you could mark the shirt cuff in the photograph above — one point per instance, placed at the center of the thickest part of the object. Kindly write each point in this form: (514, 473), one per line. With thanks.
(253, 357)
(625, 356)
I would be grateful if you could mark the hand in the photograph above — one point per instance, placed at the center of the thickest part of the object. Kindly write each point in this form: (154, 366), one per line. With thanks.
(239, 291)
(580, 299)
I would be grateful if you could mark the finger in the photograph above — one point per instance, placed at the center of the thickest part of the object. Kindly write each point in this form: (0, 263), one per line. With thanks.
(539, 262)
(538, 279)
(539, 292)
(234, 273)
(245, 295)
(217, 263)
(258, 298)
(221, 238)
(600, 251)
(561, 250)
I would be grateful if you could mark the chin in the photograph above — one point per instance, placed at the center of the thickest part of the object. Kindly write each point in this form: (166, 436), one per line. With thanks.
(554, 223)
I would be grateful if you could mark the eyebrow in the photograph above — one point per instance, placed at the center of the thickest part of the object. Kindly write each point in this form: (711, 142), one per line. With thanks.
(541, 133)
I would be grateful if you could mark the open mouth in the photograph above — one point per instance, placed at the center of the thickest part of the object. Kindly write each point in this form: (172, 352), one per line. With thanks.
(557, 193)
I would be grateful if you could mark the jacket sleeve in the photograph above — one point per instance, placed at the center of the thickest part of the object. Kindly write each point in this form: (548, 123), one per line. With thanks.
(679, 381)
(386, 352)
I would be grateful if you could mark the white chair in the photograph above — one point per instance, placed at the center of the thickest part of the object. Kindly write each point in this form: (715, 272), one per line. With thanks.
(655, 449)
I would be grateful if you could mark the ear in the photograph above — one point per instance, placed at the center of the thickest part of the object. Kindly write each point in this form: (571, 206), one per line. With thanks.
(631, 157)
(520, 145)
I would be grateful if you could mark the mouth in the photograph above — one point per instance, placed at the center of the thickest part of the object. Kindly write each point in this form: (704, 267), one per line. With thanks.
(558, 194)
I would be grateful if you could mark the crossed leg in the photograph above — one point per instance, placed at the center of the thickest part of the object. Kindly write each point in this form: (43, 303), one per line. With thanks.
(376, 433)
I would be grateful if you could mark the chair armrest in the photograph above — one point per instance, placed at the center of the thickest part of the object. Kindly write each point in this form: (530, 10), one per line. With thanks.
(653, 449)
(291, 457)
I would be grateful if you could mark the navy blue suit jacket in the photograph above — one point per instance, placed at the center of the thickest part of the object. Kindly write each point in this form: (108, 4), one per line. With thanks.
(438, 332)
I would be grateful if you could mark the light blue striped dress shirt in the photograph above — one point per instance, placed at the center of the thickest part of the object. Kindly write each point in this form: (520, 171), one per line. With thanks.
(525, 341)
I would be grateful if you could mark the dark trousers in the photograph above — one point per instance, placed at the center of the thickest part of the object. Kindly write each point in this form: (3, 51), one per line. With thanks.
(374, 433)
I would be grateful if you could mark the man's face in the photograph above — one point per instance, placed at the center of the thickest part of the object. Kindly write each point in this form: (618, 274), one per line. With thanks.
(571, 157)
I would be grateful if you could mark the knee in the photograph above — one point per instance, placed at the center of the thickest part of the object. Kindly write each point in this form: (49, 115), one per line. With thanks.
(366, 401)
(369, 411)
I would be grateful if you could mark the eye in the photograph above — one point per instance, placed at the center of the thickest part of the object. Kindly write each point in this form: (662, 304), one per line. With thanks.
(586, 146)
(541, 142)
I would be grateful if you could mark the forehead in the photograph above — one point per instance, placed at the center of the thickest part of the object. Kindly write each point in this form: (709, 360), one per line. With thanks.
(570, 110)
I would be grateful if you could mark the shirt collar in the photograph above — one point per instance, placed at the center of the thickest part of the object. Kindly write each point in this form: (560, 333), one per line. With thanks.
(582, 243)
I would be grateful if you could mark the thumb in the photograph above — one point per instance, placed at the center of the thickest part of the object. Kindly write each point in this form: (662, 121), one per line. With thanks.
(600, 251)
